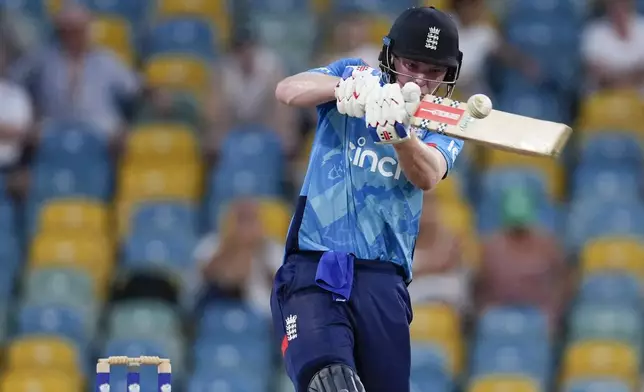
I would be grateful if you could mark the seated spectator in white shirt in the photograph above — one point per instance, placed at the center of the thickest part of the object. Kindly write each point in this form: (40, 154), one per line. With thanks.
(613, 48)
(16, 119)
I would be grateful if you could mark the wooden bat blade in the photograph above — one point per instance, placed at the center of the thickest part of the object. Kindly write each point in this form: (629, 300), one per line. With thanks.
(499, 130)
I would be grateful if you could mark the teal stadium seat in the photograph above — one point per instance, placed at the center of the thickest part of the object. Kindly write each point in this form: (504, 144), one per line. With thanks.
(598, 385)
(144, 318)
(604, 322)
(63, 286)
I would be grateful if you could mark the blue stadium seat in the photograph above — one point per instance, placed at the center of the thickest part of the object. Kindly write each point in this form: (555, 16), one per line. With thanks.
(208, 382)
(603, 385)
(588, 219)
(280, 6)
(606, 182)
(431, 380)
(10, 262)
(252, 164)
(183, 36)
(610, 289)
(134, 12)
(7, 217)
(36, 9)
(164, 217)
(67, 321)
(71, 143)
(489, 217)
(612, 147)
(513, 324)
(253, 148)
(526, 10)
(4, 325)
(231, 320)
(529, 357)
(170, 250)
(70, 181)
(241, 356)
(428, 356)
(537, 104)
(496, 181)
(392, 8)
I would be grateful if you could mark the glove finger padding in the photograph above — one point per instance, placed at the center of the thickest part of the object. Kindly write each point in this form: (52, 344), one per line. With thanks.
(344, 95)
(352, 91)
(412, 95)
(386, 115)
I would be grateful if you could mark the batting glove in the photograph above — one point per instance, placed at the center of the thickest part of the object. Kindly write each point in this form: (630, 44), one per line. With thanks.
(352, 91)
(389, 110)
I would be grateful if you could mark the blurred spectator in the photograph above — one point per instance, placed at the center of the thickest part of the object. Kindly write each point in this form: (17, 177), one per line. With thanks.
(350, 38)
(72, 79)
(480, 42)
(613, 47)
(16, 117)
(522, 265)
(244, 92)
(439, 272)
(239, 262)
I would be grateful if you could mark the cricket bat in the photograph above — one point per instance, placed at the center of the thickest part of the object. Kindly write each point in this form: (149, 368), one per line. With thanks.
(477, 122)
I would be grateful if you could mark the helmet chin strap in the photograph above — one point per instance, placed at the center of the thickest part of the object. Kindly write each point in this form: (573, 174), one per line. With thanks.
(388, 67)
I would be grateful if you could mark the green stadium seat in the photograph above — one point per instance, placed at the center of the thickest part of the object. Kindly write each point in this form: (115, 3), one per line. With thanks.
(601, 322)
(143, 318)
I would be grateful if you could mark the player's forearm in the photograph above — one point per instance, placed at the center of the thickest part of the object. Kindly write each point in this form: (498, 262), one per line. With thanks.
(306, 89)
(424, 166)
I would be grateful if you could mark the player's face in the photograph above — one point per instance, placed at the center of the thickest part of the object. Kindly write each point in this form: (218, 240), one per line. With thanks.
(427, 76)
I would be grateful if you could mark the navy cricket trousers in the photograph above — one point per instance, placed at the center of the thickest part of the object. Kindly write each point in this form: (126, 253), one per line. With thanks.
(369, 332)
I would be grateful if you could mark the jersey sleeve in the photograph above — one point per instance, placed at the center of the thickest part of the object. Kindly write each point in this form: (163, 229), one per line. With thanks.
(448, 146)
(336, 68)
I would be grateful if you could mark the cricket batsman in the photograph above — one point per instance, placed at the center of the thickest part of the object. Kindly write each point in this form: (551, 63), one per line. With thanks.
(340, 304)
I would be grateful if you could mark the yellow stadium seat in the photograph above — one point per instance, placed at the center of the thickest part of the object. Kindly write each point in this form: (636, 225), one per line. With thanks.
(504, 384)
(115, 34)
(33, 353)
(39, 381)
(458, 216)
(276, 218)
(613, 254)
(380, 26)
(215, 11)
(449, 189)
(182, 74)
(54, 6)
(552, 169)
(621, 110)
(440, 324)
(92, 253)
(321, 6)
(435, 322)
(158, 144)
(598, 359)
(71, 215)
(438, 4)
(154, 182)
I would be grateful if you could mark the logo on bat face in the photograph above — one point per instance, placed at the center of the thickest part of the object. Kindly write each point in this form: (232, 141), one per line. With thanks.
(440, 113)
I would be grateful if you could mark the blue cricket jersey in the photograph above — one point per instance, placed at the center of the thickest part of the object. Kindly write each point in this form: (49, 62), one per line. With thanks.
(355, 197)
